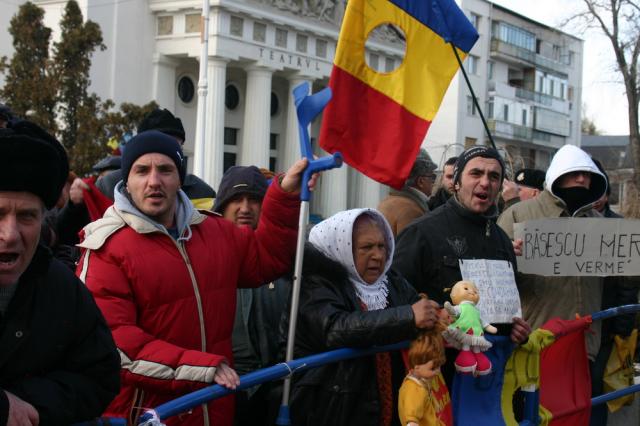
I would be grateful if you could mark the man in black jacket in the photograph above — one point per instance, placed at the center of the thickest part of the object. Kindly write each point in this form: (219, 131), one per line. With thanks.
(429, 250)
(58, 362)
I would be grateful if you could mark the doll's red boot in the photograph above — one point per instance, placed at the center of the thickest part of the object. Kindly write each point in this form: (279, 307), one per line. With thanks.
(465, 362)
(483, 366)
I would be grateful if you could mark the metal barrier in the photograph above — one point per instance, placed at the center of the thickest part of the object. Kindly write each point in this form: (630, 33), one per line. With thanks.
(282, 370)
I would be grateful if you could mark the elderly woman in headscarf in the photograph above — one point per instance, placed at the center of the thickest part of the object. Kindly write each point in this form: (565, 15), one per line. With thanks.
(350, 298)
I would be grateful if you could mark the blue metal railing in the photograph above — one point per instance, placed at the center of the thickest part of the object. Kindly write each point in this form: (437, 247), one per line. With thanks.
(282, 370)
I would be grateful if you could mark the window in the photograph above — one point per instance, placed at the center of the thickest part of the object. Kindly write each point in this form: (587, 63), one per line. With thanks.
(231, 97)
(230, 148)
(472, 64)
(230, 136)
(524, 117)
(490, 69)
(229, 160)
(471, 107)
(236, 26)
(373, 61)
(165, 25)
(186, 89)
(273, 151)
(552, 88)
(281, 37)
(275, 104)
(541, 84)
(514, 35)
(505, 112)
(475, 20)
(490, 108)
(192, 23)
(321, 48)
(561, 91)
(389, 65)
(259, 32)
(301, 43)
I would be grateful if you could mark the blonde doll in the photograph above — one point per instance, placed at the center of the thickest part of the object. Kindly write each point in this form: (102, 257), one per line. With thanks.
(467, 331)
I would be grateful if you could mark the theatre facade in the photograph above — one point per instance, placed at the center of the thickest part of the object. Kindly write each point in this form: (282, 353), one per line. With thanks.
(258, 52)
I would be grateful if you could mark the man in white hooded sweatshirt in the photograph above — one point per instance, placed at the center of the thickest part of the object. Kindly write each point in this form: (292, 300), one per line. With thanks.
(572, 185)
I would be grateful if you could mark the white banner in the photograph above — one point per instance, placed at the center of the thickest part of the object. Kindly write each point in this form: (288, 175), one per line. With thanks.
(499, 297)
(579, 247)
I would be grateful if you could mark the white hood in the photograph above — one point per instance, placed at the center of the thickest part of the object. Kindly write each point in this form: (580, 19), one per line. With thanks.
(570, 158)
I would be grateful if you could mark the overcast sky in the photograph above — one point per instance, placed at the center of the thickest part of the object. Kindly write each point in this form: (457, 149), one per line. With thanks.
(605, 100)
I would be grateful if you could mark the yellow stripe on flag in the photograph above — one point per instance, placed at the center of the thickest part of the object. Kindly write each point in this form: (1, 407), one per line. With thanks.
(420, 82)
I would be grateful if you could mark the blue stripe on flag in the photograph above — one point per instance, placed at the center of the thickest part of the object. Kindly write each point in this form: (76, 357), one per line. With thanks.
(445, 18)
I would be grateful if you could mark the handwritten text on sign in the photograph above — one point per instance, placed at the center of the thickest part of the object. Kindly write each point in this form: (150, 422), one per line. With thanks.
(499, 298)
(579, 247)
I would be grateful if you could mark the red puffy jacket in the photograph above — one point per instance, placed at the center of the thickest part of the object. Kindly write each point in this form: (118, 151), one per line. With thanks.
(170, 305)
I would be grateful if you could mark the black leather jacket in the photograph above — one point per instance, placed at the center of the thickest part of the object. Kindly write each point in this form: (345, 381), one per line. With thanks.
(330, 317)
(428, 251)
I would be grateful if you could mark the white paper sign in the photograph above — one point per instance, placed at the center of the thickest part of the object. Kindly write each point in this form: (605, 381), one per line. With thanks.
(499, 297)
(579, 247)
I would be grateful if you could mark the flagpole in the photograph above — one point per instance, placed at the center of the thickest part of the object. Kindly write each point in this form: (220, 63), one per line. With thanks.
(199, 160)
(473, 95)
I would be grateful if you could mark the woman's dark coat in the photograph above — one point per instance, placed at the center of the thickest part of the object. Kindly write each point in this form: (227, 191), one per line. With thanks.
(330, 317)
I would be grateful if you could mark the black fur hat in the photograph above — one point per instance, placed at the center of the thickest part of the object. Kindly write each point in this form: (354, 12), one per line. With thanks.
(32, 160)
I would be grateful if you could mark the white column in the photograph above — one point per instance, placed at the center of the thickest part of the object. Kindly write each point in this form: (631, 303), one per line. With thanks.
(257, 118)
(291, 151)
(333, 191)
(214, 136)
(368, 192)
(164, 81)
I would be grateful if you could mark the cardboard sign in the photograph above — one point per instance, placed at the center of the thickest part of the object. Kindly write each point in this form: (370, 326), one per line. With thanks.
(579, 247)
(499, 297)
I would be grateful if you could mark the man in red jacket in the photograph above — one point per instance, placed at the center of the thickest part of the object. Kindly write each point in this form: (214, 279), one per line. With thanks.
(165, 277)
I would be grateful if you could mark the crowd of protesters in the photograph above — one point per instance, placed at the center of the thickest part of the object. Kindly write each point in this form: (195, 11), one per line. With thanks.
(176, 289)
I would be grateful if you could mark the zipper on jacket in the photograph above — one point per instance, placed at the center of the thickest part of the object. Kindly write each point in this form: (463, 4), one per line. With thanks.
(488, 228)
(194, 283)
(203, 340)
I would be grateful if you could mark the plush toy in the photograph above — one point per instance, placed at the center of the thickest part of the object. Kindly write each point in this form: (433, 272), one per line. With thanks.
(423, 394)
(467, 331)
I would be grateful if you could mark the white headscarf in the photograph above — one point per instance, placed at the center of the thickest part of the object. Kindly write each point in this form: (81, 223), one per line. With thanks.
(334, 238)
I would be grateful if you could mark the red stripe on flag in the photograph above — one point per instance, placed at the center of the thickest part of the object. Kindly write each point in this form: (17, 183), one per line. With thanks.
(375, 135)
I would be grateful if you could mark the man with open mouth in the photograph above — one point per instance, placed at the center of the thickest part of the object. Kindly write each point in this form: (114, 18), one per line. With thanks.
(429, 251)
(165, 276)
(58, 362)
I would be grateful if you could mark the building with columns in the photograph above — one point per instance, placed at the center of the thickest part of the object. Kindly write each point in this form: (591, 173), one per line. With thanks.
(259, 50)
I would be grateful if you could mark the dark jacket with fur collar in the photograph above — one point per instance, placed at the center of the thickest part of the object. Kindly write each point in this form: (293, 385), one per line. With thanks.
(330, 317)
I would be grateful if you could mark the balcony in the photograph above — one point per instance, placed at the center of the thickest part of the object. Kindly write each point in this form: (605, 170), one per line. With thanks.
(509, 130)
(540, 98)
(511, 92)
(512, 53)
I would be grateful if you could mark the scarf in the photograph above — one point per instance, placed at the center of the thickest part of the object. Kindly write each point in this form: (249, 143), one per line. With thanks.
(334, 238)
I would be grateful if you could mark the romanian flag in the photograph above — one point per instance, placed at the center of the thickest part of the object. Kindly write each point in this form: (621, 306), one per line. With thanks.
(379, 120)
